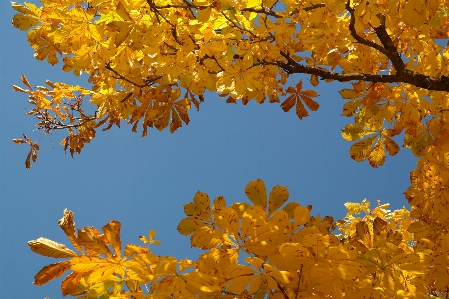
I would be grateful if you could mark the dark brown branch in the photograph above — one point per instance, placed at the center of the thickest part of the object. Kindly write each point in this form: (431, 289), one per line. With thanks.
(281, 289)
(154, 8)
(357, 37)
(388, 48)
(263, 11)
(127, 97)
(406, 76)
(385, 39)
(315, 6)
(299, 281)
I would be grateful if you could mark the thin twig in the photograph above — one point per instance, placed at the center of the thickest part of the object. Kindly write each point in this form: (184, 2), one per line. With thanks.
(236, 26)
(108, 67)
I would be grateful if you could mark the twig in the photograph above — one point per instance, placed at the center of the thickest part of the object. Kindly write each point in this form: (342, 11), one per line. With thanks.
(236, 26)
(108, 67)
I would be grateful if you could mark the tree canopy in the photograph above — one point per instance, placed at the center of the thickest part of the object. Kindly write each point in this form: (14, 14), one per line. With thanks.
(149, 62)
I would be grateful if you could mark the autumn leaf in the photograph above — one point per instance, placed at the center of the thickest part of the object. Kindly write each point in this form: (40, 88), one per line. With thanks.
(297, 97)
(50, 248)
(51, 272)
(359, 151)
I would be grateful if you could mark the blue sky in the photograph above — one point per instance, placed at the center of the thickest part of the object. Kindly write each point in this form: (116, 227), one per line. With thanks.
(144, 182)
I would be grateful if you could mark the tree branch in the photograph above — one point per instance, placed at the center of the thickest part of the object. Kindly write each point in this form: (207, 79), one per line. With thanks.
(108, 67)
(357, 37)
(403, 75)
(390, 48)
(406, 76)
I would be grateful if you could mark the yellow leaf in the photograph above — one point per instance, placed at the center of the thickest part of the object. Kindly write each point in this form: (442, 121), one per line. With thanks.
(24, 22)
(100, 288)
(187, 226)
(51, 272)
(85, 263)
(241, 277)
(413, 12)
(123, 30)
(391, 146)
(351, 107)
(23, 9)
(121, 11)
(204, 14)
(25, 81)
(257, 193)
(349, 93)
(134, 250)
(359, 151)
(301, 216)
(50, 248)
(238, 270)
(432, 6)
(112, 234)
(353, 132)
(278, 196)
(43, 103)
(377, 155)
(17, 88)
(206, 238)
(91, 239)
(202, 203)
(317, 15)
(68, 226)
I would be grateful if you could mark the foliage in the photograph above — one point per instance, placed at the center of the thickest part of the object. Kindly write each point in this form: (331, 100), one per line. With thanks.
(149, 61)
(269, 247)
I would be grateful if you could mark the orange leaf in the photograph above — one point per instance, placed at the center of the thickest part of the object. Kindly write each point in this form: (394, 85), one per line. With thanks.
(311, 104)
(51, 272)
(288, 103)
(300, 110)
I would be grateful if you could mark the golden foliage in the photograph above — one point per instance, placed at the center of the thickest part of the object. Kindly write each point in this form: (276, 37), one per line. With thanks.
(249, 251)
(149, 60)
(142, 55)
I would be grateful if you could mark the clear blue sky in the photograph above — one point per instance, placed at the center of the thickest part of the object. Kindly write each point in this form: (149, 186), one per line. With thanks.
(143, 183)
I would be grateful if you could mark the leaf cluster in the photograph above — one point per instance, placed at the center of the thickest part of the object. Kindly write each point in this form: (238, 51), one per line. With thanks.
(266, 248)
(142, 55)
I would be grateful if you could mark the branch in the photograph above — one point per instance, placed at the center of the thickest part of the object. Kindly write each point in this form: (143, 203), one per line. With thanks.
(280, 288)
(388, 49)
(263, 11)
(358, 37)
(108, 67)
(406, 76)
(64, 126)
(391, 50)
(315, 6)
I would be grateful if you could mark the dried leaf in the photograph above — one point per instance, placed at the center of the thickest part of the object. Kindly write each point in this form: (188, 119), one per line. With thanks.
(50, 248)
